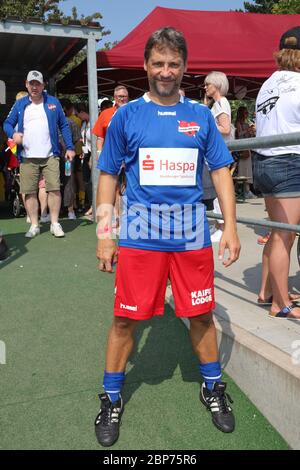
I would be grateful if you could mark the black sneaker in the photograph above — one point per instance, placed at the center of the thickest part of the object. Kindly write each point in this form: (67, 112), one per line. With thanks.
(216, 402)
(108, 421)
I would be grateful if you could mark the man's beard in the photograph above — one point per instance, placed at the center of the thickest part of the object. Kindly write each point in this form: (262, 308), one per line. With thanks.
(165, 93)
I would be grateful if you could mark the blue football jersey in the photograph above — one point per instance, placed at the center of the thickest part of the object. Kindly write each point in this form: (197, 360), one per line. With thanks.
(163, 149)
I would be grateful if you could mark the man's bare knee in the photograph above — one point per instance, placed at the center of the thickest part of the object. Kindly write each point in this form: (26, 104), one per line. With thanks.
(123, 326)
(206, 319)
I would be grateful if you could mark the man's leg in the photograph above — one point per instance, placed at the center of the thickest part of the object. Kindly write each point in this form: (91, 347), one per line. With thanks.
(119, 347)
(204, 338)
(212, 395)
(51, 173)
(120, 344)
(43, 198)
(29, 176)
(54, 203)
(32, 207)
(138, 299)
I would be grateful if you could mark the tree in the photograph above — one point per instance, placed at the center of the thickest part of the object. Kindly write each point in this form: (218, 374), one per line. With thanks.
(44, 10)
(285, 7)
(260, 6)
(48, 11)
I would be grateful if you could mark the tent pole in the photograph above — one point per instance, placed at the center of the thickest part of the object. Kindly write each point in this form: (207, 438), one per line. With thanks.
(93, 109)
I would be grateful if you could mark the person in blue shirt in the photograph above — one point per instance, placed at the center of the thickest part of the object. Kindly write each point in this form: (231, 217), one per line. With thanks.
(33, 124)
(162, 140)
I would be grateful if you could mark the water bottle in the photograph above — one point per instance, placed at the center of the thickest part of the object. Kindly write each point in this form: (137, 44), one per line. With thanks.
(68, 168)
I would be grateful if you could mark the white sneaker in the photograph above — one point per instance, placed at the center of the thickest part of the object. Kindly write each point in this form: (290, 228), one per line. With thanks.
(71, 216)
(33, 231)
(216, 237)
(250, 195)
(45, 218)
(57, 230)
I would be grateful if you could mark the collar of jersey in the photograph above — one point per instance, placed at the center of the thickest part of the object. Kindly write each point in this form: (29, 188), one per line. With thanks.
(148, 100)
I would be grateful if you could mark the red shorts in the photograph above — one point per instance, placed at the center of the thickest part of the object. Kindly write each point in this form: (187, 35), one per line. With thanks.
(141, 281)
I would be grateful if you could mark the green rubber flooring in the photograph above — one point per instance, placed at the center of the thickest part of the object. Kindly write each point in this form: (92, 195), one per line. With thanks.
(55, 312)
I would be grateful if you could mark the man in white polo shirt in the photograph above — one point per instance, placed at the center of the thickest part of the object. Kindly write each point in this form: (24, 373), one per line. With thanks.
(37, 118)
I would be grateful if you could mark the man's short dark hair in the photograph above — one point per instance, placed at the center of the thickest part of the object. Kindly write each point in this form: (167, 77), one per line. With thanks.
(166, 37)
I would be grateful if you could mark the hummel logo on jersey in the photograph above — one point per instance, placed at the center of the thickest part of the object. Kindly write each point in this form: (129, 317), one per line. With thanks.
(166, 113)
(201, 296)
(129, 307)
(188, 128)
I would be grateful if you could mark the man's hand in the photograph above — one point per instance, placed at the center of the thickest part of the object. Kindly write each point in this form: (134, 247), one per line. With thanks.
(229, 240)
(107, 255)
(18, 138)
(70, 154)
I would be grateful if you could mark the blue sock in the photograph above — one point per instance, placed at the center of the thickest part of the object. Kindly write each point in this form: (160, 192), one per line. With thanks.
(113, 383)
(211, 372)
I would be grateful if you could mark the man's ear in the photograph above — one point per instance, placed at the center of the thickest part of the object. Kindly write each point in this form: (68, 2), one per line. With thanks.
(145, 66)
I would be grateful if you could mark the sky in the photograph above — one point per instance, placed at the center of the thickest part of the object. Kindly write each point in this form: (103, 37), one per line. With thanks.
(121, 16)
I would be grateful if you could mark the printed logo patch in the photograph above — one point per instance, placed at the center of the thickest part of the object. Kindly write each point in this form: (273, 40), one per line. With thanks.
(166, 113)
(200, 297)
(52, 107)
(188, 128)
(132, 308)
(168, 166)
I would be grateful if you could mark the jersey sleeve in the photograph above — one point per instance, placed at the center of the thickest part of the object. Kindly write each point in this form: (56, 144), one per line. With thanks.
(217, 154)
(114, 149)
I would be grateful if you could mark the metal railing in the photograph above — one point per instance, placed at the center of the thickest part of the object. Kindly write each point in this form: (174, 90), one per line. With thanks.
(257, 143)
(260, 223)
(282, 140)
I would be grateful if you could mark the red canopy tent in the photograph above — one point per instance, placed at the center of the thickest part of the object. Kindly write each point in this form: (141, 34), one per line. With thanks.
(238, 44)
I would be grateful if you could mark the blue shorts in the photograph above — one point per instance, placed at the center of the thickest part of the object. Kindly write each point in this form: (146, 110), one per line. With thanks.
(277, 176)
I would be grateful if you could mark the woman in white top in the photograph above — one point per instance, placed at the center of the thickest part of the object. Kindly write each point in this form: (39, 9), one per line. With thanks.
(216, 88)
(277, 172)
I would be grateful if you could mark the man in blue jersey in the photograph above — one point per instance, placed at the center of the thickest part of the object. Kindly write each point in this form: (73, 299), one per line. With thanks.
(163, 138)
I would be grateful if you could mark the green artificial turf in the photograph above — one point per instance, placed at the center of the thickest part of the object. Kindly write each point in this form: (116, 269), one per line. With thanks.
(55, 310)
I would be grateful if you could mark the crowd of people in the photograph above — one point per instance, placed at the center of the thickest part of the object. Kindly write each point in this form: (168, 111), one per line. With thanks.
(133, 139)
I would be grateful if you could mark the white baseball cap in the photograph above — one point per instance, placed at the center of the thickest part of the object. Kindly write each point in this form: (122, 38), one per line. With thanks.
(35, 75)
(100, 101)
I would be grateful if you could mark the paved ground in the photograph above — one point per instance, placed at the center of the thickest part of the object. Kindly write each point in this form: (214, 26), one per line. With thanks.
(55, 312)
(237, 286)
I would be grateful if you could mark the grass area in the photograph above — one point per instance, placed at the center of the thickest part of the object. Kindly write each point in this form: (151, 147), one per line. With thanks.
(56, 309)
